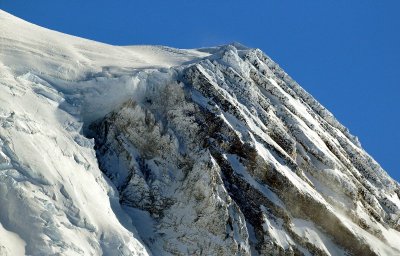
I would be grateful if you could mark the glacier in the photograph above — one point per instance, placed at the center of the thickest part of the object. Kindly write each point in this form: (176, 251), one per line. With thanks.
(152, 150)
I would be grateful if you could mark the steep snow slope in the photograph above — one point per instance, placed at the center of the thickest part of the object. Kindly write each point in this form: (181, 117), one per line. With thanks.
(53, 196)
(207, 152)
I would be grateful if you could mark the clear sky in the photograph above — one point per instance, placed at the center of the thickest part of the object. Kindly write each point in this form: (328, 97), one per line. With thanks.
(346, 53)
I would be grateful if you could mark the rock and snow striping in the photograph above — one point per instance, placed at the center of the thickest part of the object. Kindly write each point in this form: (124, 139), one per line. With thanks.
(150, 150)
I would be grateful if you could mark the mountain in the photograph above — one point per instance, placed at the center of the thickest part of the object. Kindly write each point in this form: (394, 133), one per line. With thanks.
(151, 150)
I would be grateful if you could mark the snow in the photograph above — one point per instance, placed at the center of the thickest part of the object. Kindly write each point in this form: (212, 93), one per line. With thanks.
(11, 243)
(145, 226)
(308, 136)
(274, 228)
(276, 232)
(42, 111)
(391, 236)
(241, 170)
(55, 200)
(71, 57)
(395, 199)
(295, 179)
(53, 85)
(252, 239)
(380, 247)
(307, 230)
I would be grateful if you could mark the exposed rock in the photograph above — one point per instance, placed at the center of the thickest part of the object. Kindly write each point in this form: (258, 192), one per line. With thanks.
(231, 142)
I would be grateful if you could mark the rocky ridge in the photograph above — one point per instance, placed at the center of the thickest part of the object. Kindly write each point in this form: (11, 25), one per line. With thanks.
(231, 148)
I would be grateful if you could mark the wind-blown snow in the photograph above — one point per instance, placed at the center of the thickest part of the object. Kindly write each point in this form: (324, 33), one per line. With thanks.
(203, 152)
(50, 183)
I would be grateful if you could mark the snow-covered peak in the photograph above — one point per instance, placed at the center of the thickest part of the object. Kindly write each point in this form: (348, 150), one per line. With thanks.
(122, 150)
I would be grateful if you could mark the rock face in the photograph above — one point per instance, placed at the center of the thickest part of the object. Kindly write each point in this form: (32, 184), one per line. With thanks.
(230, 156)
(196, 152)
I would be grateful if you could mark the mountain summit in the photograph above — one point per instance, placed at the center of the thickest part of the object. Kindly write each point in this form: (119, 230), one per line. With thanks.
(151, 150)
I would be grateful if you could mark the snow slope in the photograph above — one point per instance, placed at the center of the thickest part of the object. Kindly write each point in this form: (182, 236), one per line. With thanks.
(53, 195)
(153, 150)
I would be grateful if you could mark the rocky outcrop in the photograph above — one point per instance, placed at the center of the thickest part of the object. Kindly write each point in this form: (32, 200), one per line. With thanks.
(230, 156)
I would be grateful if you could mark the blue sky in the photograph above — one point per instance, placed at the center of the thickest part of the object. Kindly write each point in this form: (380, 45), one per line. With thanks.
(345, 53)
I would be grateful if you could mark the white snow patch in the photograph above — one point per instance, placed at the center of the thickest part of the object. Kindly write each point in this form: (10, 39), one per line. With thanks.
(10, 243)
(310, 232)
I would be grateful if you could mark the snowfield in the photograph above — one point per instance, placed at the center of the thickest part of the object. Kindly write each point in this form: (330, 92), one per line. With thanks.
(151, 150)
